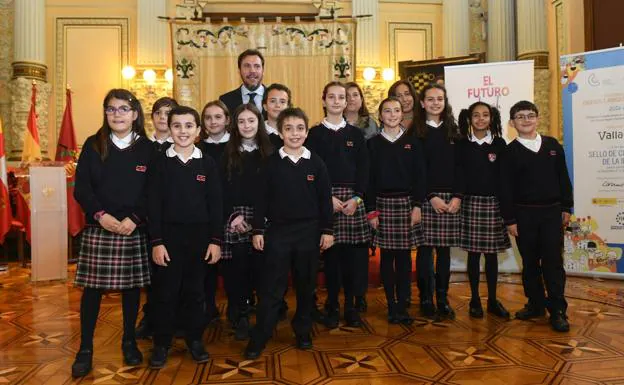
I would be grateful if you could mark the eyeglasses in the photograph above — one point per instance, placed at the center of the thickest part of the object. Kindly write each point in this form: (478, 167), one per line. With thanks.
(122, 110)
(526, 117)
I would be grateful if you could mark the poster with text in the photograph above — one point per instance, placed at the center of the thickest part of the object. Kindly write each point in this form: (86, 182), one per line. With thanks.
(499, 84)
(593, 117)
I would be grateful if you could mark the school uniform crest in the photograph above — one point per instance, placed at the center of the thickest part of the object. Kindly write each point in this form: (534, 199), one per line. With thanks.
(492, 157)
(349, 143)
(407, 146)
(201, 178)
(141, 168)
(553, 152)
(310, 178)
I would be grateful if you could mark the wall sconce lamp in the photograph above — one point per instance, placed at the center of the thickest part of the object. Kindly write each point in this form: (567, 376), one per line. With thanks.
(369, 74)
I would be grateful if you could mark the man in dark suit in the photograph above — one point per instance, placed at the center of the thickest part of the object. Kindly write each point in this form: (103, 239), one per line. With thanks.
(251, 69)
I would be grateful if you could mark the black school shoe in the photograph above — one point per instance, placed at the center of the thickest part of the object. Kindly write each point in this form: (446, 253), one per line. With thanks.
(159, 357)
(352, 318)
(144, 330)
(332, 319)
(131, 354)
(241, 332)
(197, 350)
(529, 311)
(559, 322)
(254, 349)
(496, 307)
(475, 309)
(360, 304)
(304, 341)
(427, 308)
(403, 317)
(83, 363)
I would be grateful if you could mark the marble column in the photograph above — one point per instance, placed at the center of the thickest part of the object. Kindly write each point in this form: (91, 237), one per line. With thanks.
(28, 64)
(152, 33)
(456, 27)
(368, 51)
(501, 42)
(367, 32)
(532, 43)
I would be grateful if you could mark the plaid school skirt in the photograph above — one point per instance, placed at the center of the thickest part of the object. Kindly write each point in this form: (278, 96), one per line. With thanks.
(482, 227)
(112, 261)
(350, 229)
(440, 229)
(395, 231)
(231, 237)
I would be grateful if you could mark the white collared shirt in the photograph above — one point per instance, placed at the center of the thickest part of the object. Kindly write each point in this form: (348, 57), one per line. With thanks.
(432, 123)
(257, 100)
(224, 139)
(161, 141)
(306, 154)
(124, 142)
(532, 144)
(196, 154)
(392, 139)
(270, 129)
(334, 127)
(486, 139)
(248, 147)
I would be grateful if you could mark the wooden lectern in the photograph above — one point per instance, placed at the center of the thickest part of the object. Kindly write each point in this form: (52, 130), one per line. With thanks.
(48, 207)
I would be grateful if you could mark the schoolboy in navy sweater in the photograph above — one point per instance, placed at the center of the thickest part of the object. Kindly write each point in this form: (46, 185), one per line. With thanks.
(295, 199)
(186, 227)
(536, 201)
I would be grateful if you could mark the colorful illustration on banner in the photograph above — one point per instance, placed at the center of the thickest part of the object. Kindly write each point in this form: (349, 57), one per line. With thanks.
(585, 251)
(570, 67)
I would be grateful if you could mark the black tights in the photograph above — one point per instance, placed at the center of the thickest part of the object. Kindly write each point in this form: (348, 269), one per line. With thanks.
(491, 274)
(90, 308)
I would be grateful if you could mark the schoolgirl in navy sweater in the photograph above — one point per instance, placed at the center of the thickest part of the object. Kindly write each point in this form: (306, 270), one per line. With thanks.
(482, 228)
(277, 97)
(394, 199)
(343, 149)
(110, 188)
(438, 131)
(244, 156)
(186, 228)
(214, 129)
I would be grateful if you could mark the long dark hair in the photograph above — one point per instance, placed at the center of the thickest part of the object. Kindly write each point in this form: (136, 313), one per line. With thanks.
(465, 120)
(203, 134)
(420, 119)
(363, 111)
(233, 157)
(103, 134)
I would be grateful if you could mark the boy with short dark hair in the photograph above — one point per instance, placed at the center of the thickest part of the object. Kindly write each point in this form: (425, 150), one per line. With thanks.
(536, 202)
(185, 210)
(295, 198)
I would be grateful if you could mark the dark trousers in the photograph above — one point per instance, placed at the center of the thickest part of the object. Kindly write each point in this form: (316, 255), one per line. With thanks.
(289, 246)
(183, 279)
(540, 242)
(396, 276)
(210, 289)
(346, 265)
(428, 281)
(236, 273)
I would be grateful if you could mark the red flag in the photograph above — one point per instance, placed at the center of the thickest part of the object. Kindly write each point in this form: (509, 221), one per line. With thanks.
(67, 151)
(5, 204)
(32, 146)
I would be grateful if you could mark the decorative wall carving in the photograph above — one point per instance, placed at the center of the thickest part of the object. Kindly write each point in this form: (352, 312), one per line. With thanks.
(541, 93)
(478, 26)
(20, 101)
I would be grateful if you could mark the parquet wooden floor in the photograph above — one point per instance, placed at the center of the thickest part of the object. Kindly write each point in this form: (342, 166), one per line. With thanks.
(40, 333)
